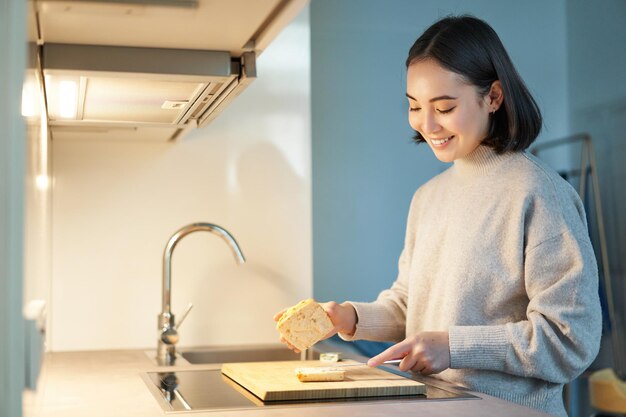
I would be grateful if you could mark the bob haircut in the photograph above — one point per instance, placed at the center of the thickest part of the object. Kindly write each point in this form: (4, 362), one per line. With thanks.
(471, 48)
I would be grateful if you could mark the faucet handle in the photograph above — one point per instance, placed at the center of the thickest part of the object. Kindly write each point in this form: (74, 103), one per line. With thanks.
(184, 315)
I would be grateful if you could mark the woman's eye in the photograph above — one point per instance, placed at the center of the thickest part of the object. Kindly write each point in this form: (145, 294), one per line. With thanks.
(414, 108)
(446, 110)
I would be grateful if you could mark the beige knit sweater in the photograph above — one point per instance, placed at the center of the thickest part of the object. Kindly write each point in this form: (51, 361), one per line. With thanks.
(497, 253)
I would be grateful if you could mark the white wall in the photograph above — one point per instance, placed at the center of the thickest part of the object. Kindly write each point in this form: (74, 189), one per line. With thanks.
(116, 204)
(37, 216)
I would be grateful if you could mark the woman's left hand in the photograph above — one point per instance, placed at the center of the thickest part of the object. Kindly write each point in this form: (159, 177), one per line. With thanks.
(426, 353)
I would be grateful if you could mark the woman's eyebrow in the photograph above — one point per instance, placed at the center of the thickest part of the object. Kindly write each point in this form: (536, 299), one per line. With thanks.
(432, 100)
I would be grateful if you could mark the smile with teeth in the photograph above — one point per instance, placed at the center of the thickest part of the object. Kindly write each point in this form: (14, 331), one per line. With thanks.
(441, 141)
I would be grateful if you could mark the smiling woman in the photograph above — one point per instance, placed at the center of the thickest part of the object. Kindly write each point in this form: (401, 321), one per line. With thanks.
(466, 64)
(455, 123)
(497, 285)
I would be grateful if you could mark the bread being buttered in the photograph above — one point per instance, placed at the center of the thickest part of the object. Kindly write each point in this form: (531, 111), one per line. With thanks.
(320, 374)
(304, 324)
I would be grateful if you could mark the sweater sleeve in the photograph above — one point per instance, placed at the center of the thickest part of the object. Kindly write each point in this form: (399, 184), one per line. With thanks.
(560, 335)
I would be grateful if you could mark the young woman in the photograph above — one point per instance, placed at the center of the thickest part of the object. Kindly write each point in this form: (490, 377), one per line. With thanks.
(497, 285)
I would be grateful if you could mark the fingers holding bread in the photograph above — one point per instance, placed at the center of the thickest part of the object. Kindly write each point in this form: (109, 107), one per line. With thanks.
(278, 315)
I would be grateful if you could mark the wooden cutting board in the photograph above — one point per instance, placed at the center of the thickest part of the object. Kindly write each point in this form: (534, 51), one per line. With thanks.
(277, 381)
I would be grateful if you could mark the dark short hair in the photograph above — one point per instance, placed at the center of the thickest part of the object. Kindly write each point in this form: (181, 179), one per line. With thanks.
(471, 48)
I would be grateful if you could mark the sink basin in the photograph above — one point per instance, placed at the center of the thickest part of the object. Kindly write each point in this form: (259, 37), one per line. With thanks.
(239, 354)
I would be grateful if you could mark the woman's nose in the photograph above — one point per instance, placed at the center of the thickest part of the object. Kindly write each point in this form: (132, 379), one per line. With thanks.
(429, 123)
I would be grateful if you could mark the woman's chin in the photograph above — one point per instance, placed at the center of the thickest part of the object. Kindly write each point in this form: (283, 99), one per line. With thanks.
(443, 156)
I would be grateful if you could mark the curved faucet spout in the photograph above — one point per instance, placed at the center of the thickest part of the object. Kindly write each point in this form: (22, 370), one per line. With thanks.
(171, 244)
(167, 326)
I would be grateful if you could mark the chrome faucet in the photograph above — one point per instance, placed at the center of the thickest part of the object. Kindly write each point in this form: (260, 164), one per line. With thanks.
(168, 334)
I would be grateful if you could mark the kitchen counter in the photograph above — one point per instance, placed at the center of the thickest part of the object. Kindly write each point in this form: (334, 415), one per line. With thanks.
(109, 383)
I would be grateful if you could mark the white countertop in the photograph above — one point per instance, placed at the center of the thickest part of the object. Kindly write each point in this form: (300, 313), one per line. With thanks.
(109, 384)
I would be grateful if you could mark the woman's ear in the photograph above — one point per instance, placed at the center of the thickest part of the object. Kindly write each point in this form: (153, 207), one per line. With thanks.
(495, 96)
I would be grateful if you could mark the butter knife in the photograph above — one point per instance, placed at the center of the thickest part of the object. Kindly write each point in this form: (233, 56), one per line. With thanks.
(344, 365)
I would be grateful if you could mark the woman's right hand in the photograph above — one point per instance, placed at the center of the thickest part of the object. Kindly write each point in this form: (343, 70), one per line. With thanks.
(343, 316)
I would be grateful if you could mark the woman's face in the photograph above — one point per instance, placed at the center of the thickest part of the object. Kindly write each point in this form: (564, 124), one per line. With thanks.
(449, 113)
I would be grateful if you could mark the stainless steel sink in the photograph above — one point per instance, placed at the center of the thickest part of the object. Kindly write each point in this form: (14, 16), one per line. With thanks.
(226, 354)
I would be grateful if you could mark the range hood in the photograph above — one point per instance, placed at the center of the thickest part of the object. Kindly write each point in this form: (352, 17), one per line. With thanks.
(149, 69)
(161, 91)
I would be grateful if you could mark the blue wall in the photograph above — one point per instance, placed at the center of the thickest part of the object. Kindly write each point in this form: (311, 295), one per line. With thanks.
(365, 167)
(597, 85)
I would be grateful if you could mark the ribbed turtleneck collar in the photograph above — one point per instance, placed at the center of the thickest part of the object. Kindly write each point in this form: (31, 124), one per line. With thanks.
(480, 161)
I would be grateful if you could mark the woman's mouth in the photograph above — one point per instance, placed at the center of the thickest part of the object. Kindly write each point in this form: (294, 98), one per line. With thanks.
(439, 142)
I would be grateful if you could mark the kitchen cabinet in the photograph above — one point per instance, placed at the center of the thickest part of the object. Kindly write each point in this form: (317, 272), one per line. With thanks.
(149, 70)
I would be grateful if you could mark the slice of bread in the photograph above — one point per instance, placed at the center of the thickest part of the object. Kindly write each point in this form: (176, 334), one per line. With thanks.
(320, 374)
(304, 324)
